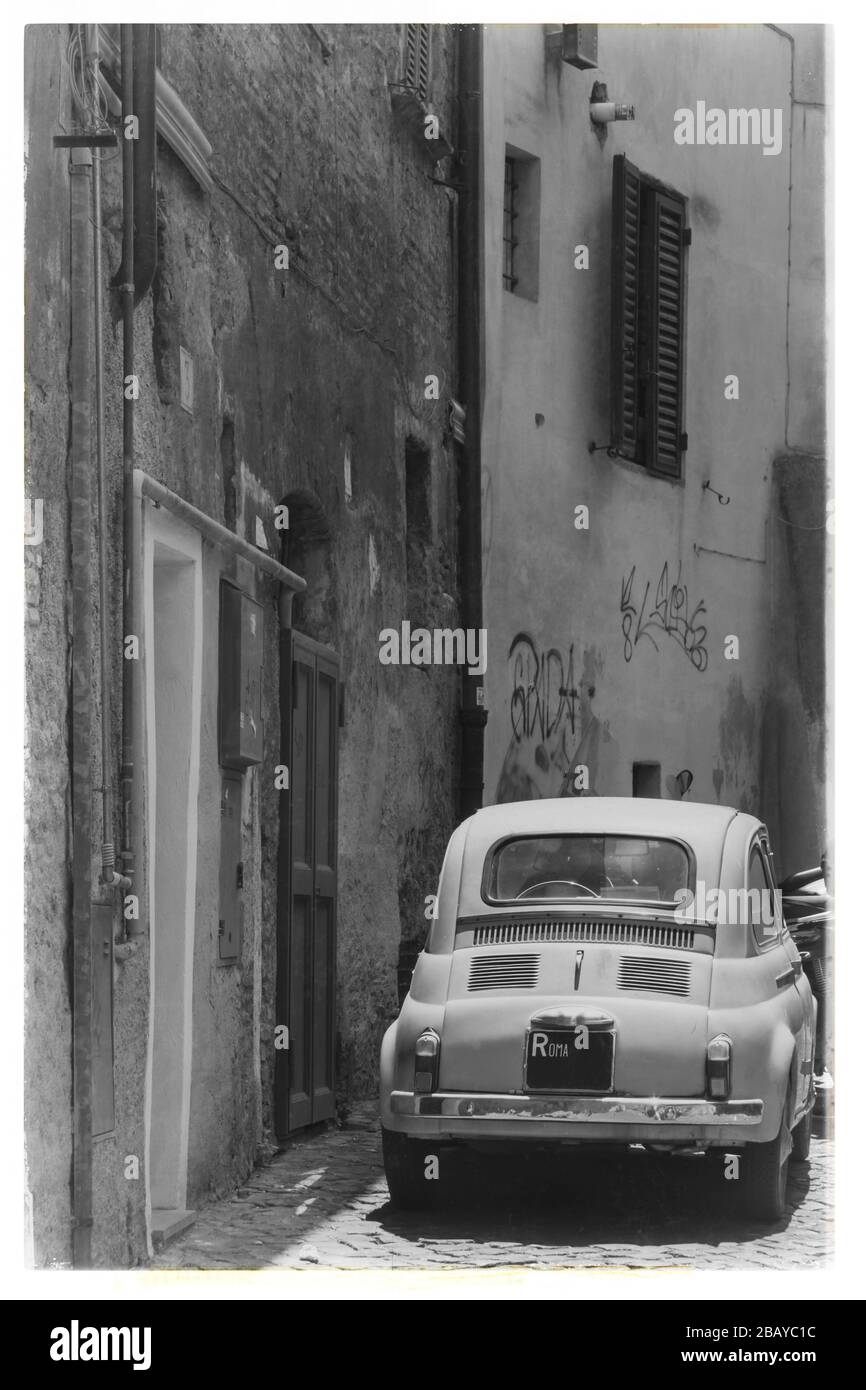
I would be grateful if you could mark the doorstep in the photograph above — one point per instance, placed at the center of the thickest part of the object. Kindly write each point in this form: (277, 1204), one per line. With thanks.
(168, 1222)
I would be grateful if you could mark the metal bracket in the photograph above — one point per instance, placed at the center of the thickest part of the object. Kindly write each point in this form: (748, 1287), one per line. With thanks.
(90, 140)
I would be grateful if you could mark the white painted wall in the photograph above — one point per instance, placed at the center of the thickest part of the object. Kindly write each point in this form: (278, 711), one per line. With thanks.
(563, 587)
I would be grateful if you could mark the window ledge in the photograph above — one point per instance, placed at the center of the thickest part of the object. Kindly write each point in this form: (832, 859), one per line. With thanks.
(173, 120)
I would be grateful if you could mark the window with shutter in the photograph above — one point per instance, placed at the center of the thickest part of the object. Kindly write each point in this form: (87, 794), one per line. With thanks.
(623, 353)
(648, 300)
(417, 63)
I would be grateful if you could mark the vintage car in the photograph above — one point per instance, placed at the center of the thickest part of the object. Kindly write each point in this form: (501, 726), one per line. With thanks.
(604, 971)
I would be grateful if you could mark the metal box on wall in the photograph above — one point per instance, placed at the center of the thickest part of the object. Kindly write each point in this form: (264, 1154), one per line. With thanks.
(231, 899)
(241, 655)
(580, 45)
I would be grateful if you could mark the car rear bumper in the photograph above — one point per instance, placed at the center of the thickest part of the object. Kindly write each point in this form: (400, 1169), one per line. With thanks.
(626, 1119)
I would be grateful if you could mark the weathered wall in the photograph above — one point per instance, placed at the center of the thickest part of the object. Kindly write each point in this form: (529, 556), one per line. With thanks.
(602, 695)
(292, 368)
(48, 900)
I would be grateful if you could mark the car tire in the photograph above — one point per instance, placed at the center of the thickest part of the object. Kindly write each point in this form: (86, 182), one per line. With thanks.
(801, 1139)
(406, 1162)
(765, 1177)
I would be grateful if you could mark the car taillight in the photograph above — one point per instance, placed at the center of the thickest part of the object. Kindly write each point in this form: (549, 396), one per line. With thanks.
(427, 1061)
(719, 1067)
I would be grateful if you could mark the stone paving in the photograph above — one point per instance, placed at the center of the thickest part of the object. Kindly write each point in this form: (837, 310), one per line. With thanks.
(323, 1203)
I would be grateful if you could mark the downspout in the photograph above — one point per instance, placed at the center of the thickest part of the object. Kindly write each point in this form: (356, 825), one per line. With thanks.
(783, 33)
(144, 158)
(473, 715)
(138, 100)
(80, 389)
(109, 876)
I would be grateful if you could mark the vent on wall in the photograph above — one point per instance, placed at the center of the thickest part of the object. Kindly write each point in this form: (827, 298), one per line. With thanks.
(636, 933)
(660, 976)
(510, 971)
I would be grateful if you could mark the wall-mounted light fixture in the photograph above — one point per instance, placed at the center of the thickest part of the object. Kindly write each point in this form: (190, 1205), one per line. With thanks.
(575, 44)
(580, 45)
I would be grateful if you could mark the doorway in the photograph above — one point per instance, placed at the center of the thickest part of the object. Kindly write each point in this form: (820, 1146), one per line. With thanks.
(173, 650)
(307, 890)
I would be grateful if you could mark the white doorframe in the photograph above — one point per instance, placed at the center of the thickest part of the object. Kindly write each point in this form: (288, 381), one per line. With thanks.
(172, 616)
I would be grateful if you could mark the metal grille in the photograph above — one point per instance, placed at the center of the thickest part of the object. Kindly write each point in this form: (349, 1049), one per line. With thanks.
(509, 220)
(418, 58)
(660, 976)
(504, 972)
(564, 929)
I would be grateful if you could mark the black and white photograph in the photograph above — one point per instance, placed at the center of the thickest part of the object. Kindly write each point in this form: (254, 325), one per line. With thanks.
(429, 847)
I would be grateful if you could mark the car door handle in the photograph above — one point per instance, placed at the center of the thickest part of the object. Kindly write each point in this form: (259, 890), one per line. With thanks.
(787, 977)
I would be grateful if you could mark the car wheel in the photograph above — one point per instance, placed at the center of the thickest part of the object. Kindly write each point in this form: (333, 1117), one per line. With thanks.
(407, 1165)
(765, 1177)
(801, 1139)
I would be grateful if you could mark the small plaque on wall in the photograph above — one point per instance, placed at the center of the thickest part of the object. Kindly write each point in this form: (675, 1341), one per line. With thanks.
(241, 656)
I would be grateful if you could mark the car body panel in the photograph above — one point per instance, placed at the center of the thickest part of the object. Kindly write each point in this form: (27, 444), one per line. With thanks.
(666, 993)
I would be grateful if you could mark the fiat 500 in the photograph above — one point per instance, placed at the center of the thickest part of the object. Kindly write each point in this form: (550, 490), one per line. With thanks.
(604, 971)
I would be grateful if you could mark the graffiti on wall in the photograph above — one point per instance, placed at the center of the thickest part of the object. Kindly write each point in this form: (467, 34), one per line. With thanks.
(668, 613)
(553, 727)
(543, 693)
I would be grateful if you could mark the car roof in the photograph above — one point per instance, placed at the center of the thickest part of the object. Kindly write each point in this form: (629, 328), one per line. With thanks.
(618, 815)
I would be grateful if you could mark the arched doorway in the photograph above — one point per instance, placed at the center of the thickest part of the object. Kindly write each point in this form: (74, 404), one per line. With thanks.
(307, 889)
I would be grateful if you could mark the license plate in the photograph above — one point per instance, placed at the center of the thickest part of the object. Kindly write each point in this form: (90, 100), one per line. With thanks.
(562, 1059)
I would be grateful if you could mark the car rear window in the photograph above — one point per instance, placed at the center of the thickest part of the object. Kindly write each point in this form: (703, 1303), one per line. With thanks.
(625, 868)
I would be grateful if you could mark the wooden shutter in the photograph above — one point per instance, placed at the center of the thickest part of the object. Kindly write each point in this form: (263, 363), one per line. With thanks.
(624, 307)
(665, 288)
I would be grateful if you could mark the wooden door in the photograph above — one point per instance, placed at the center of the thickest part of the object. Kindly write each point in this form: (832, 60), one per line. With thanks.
(307, 899)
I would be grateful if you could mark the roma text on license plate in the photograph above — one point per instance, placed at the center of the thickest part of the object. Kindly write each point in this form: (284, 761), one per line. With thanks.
(562, 1059)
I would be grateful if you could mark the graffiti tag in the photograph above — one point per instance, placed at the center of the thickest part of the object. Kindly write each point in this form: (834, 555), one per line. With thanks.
(668, 614)
(543, 694)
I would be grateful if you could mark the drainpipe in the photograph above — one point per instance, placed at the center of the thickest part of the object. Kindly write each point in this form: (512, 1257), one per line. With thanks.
(109, 877)
(783, 33)
(138, 98)
(473, 715)
(144, 158)
(129, 781)
(81, 385)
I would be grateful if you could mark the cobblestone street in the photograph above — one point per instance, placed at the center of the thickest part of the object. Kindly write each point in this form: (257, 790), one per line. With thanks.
(324, 1203)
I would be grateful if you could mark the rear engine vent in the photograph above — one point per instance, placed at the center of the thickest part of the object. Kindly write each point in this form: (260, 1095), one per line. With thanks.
(648, 972)
(504, 972)
(637, 933)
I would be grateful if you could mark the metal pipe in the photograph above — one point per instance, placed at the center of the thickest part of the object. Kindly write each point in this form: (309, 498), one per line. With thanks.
(109, 875)
(144, 160)
(129, 777)
(146, 487)
(80, 390)
(473, 715)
